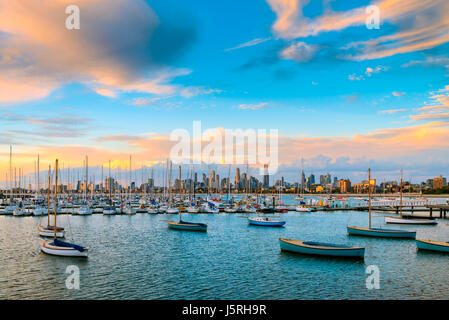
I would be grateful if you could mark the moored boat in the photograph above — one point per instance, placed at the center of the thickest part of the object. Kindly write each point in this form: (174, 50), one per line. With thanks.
(265, 222)
(321, 249)
(57, 247)
(378, 232)
(381, 233)
(431, 245)
(303, 208)
(188, 226)
(65, 249)
(402, 220)
(109, 211)
(184, 225)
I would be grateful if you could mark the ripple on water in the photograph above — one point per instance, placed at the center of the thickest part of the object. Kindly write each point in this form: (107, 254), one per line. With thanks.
(138, 257)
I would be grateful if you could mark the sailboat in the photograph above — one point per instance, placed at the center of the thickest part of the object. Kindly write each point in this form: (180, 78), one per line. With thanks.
(300, 196)
(49, 230)
(110, 209)
(432, 245)
(378, 232)
(403, 220)
(129, 210)
(264, 222)
(184, 225)
(58, 247)
(85, 209)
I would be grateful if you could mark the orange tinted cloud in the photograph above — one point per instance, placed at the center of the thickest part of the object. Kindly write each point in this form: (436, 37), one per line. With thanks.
(109, 53)
(417, 140)
(429, 17)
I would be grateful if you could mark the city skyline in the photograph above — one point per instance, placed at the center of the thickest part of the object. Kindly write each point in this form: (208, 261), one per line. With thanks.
(343, 97)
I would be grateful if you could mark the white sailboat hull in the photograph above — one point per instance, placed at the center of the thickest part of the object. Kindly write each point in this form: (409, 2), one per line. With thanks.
(47, 248)
(45, 232)
(303, 209)
(393, 220)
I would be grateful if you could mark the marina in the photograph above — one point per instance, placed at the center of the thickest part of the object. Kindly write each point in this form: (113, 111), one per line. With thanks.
(138, 257)
(224, 151)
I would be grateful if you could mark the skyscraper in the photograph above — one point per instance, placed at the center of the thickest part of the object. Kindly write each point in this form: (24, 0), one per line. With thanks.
(237, 178)
(266, 177)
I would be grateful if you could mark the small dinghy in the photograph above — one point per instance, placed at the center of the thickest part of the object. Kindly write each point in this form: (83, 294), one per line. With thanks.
(230, 210)
(402, 220)
(49, 231)
(381, 233)
(65, 249)
(321, 249)
(189, 226)
(303, 208)
(431, 245)
(265, 222)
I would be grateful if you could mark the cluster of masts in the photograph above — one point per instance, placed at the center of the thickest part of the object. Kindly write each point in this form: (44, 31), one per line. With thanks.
(175, 206)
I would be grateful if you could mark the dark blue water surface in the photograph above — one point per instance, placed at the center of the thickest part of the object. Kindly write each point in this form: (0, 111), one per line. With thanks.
(138, 257)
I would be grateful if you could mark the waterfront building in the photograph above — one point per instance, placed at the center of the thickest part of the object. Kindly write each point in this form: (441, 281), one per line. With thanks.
(344, 185)
(439, 182)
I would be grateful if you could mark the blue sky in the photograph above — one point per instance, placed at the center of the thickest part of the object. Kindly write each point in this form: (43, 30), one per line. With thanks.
(311, 69)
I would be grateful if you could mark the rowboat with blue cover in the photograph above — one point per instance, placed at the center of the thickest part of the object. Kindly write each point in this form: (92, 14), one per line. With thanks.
(431, 245)
(57, 247)
(321, 248)
(265, 222)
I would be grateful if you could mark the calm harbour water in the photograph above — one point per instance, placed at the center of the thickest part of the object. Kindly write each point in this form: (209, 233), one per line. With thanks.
(138, 257)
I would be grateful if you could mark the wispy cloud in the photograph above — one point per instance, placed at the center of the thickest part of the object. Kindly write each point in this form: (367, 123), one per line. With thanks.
(251, 43)
(368, 73)
(391, 111)
(253, 106)
(438, 107)
(420, 23)
(299, 51)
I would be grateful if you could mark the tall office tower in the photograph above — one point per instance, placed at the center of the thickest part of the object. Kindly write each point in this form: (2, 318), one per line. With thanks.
(322, 181)
(237, 178)
(266, 177)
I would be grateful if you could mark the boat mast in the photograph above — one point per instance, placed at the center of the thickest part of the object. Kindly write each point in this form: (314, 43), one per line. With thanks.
(400, 201)
(179, 190)
(38, 178)
(56, 193)
(48, 196)
(10, 175)
(369, 196)
(109, 184)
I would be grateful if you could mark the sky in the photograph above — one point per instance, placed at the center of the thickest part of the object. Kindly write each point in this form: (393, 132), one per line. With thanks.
(343, 97)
